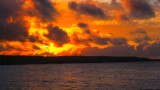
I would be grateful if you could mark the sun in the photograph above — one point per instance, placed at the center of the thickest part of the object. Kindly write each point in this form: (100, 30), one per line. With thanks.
(55, 53)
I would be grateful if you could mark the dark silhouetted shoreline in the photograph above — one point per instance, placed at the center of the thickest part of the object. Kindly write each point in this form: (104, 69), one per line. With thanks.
(18, 60)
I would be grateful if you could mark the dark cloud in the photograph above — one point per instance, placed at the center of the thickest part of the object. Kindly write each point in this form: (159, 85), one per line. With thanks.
(73, 5)
(138, 31)
(140, 36)
(87, 9)
(115, 4)
(121, 17)
(118, 41)
(12, 28)
(139, 9)
(87, 31)
(57, 35)
(97, 39)
(100, 40)
(15, 31)
(110, 51)
(36, 47)
(143, 50)
(145, 38)
(46, 10)
(91, 38)
(34, 39)
(82, 25)
(148, 50)
(138, 40)
(153, 50)
(76, 40)
(10, 8)
(124, 18)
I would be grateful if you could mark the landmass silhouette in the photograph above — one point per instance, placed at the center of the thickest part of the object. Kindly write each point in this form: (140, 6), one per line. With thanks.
(18, 60)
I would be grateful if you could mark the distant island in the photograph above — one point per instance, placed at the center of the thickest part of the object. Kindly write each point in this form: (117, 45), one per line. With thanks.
(18, 60)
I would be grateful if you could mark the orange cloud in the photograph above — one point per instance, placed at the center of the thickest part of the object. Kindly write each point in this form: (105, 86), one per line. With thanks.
(57, 28)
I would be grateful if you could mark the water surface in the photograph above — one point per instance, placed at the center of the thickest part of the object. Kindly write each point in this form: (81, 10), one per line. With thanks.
(93, 76)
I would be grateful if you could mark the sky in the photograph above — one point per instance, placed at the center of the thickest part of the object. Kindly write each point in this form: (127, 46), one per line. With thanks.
(80, 27)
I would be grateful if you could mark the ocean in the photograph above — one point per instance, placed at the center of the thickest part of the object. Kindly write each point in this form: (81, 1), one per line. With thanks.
(86, 76)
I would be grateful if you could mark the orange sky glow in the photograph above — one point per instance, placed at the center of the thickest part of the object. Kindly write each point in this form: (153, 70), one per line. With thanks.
(80, 27)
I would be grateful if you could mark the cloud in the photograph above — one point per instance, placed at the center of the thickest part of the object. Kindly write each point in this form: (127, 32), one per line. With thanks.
(76, 40)
(139, 9)
(12, 27)
(118, 41)
(82, 25)
(152, 50)
(36, 47)
(110, 51)
(100, 40)
(140, 36)
(143, 50)
(114, 2)
(46, 10)
(121, 17)
(6, 47)
(2, 48)
(35, 39)
(146, 38)
(87, 31)
(87, 9)
(116, 5)
(10, 8)
(89, 37)
(57, 35)
(15, 31)
(138, 31)
(97, 39)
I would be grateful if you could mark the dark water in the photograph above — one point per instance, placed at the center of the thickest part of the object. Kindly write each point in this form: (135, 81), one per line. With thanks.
(91, 76)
